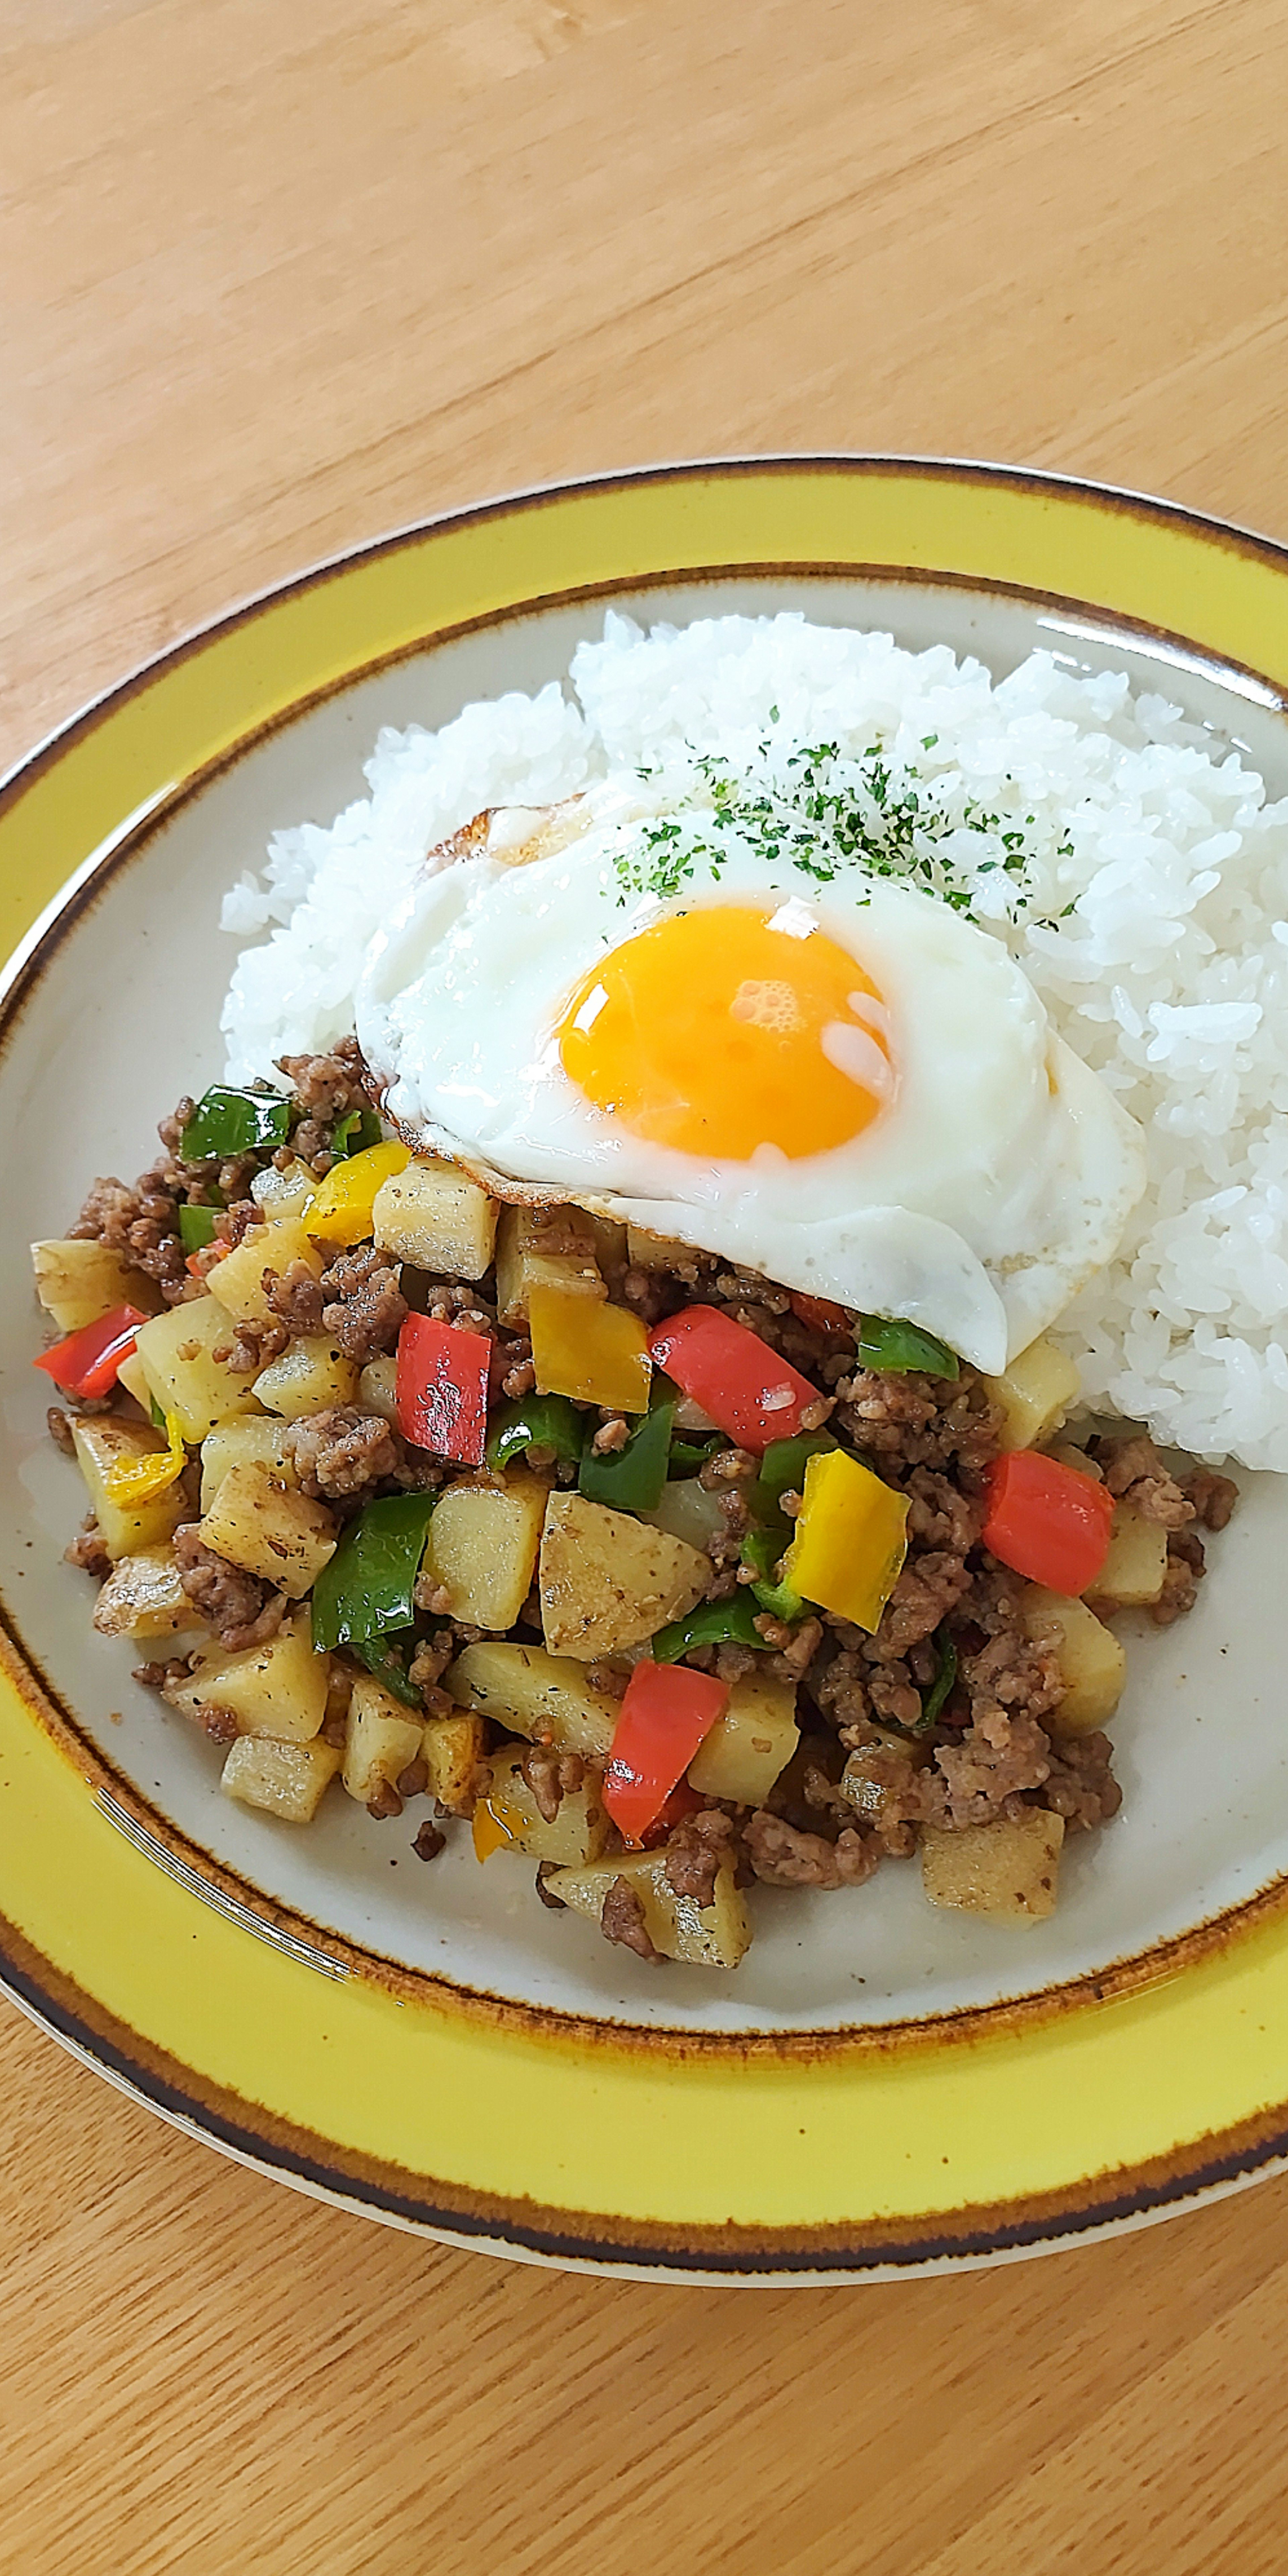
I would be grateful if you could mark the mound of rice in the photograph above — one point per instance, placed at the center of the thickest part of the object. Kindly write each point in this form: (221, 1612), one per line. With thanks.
(1169, 974)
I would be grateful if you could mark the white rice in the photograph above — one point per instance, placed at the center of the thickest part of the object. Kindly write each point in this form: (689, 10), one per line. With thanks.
(1170, 976)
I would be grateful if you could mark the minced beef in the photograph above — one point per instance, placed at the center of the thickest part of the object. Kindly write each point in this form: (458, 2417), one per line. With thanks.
(241, 1610)
(695, 1852)
(784, 1857)
(343, 1453)
(622, 1920)
(1134, 1473)
(552, 1776)
(362, 1303)
(87, 1550)
(295, 1297)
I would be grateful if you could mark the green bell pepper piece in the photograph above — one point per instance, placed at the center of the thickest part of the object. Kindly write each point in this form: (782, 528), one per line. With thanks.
(196, 1227)
(688, 1455)
(780, 1601)
(368, 1588)
(534, 1422)
(945, 1676)
(234, 1122)
(713, 1623)
(896, 1347)
(762, 1549)
(782, 1471)
(386, 1657)
(353, 1134)
(630, 1479)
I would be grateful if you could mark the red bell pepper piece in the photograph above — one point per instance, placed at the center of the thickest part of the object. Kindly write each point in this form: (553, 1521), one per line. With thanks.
(1047, 1521)
(749, 1392)
(666, 1712)
(818, 1314)
(683, 1801)
(86, 1363)
(441, 1389)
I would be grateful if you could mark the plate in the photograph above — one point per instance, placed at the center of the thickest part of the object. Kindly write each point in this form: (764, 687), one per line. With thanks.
(881, 2088)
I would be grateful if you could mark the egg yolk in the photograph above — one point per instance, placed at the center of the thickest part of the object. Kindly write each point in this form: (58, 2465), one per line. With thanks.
(724, 1029)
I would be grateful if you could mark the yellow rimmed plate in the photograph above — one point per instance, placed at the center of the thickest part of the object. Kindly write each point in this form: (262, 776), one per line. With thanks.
(881, 2089)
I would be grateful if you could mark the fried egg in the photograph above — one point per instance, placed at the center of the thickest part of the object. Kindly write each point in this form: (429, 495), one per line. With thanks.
(845, 1086)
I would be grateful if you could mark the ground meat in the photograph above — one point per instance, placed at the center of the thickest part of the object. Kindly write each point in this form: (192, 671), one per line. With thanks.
(87, 1550)
(784, 1857)
(794, 1648)
(163, 1676)
(250, 1346)
(553, 1903)
(60, 1431)
(909, 1420)
(241, 1610)
(520, 1377)
(1134, 1471)
(1182, 1576)
(342, 1452)
(233, 1224)
(142, 1224)
(431, 1660)
(622, 1920)
(928, 1588)
(363, 1305)
(695, 1852)
(329, 1086)
(384, 1802)
(609, 1678)
(727, 1467)
(552, 1776)
(414, 1781)
(1080, 1786)
(610, 1437)
(971, 1782)
(1213, 1497)
(295, 1298)
(429, 1842)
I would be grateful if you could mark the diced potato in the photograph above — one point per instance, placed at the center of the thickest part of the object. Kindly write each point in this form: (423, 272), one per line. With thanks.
(143, 1597)
(658, 1251)
(104, 1444)
(286, 1780)
(262, 1526)
(877, 1770)
(483, 1542)
(608, 1581)
(526, 1257)
(382, 1738)
(278, 1690)
(1134, 1569)
(132, 1376)
(435, 1216)
(1035, 1392)
(1092, 1661)
(609, 1236)
(579, 1831)
(378, 1387)
(713, 1936)
(77, 1282)
(535, 1693)
(283, 1194)
(312, 1374)
(754, 1740)
(177, 1350)
(687, 1511)
(236, 1281)
(453, 1749)
(1009, 1869)
(245, 1439)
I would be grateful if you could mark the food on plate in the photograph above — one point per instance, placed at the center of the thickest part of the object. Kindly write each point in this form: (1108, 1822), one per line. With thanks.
(611, 1359)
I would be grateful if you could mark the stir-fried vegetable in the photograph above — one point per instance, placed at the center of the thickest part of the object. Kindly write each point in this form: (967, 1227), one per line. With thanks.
(386, 1657)
(818, 1313)
(752, 1394)
(196, 1227)
(368, 1588)
(352, 1135)
(664, 1716)
(631, 1479)
(586, 1349)
(342, 1203)
(534, 1422)
(850, 1539)
(782, 1471)
(945, 1676)
(442, 1389)
(228, 1122)
(895, 1347)
(1047, 1521)
(713, 1623)
(140, 1479)
(86, 1363)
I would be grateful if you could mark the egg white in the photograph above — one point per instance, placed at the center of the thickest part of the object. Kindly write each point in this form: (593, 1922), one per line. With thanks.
(993, 1184)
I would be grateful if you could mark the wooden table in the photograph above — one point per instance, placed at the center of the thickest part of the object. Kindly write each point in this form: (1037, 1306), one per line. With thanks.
(280, 274)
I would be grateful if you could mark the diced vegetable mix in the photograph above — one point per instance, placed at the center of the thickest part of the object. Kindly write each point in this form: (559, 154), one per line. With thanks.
(579, 1511)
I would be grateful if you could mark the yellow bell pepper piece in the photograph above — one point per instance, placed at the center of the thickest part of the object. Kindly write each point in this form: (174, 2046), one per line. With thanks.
(595, 1353)
(851, 1539)
(341, 1208)
(491, 1832)
(145, 1477)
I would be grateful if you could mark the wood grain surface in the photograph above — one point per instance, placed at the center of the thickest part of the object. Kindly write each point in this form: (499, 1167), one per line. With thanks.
(279, 275)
